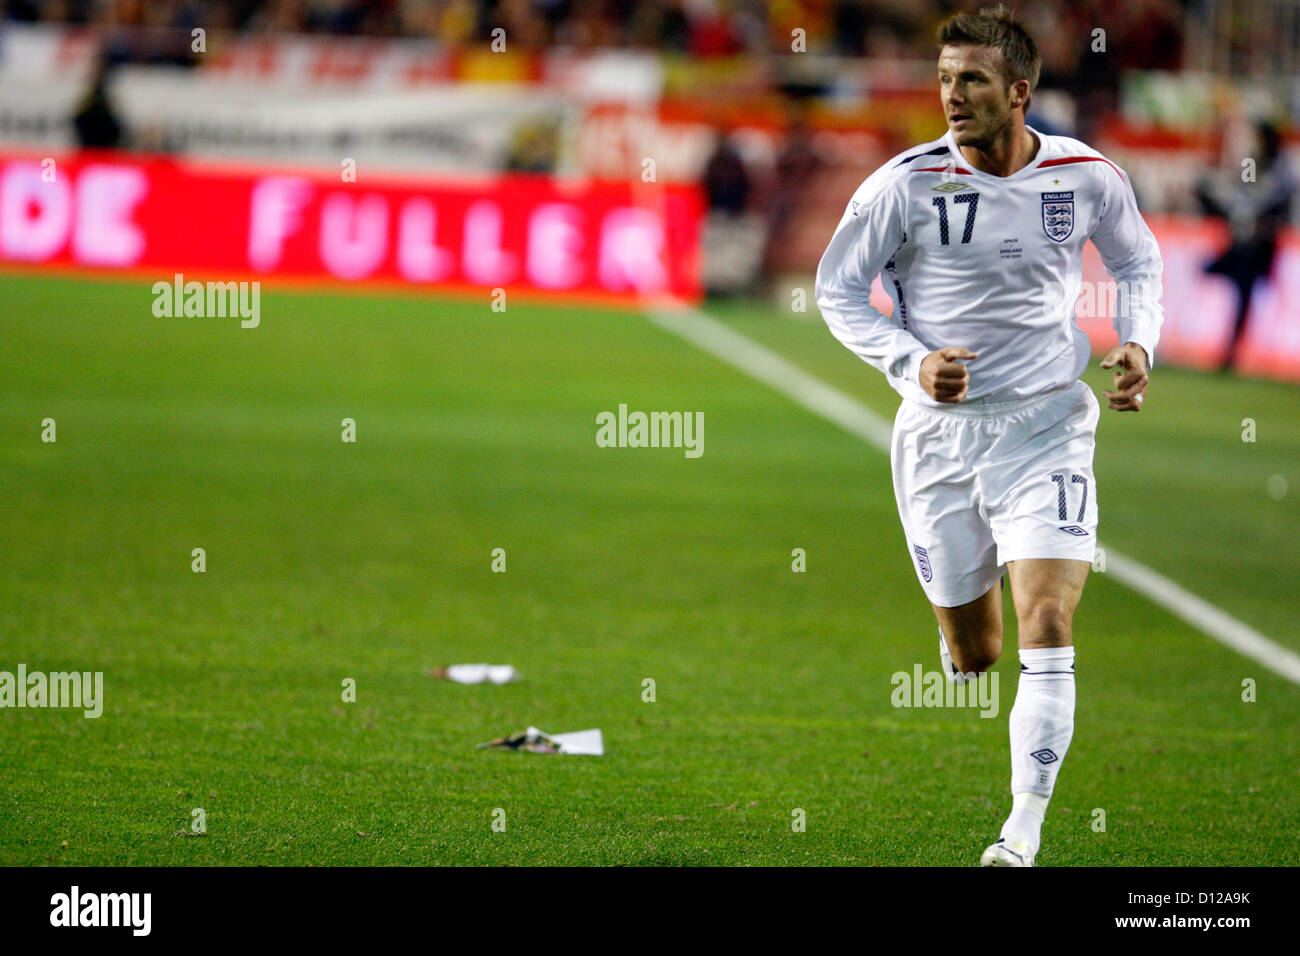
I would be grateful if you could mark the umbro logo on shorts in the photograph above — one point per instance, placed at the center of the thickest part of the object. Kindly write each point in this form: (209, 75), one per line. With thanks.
(1045, 756)
(923, 561)
(1075, 530)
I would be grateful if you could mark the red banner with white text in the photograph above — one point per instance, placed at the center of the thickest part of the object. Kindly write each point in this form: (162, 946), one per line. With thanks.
(155, 217)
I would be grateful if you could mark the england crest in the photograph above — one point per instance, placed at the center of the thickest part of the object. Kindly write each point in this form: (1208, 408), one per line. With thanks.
(1058, 215)
(923, 561)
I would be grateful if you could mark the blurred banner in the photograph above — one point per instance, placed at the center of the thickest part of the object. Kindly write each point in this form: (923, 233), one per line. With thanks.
(157, 216)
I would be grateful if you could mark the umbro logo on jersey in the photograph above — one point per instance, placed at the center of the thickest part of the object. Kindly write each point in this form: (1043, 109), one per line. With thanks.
(1073, 529)
(1058, 215)
(949, 187)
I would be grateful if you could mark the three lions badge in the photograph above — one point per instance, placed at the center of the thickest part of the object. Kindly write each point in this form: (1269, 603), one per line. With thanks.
(1058, 215)
(923, 561)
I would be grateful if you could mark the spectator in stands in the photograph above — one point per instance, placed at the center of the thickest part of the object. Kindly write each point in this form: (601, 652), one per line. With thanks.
(534, 147)
(95, 120)
(733, 233)
(797, 166)
(726, 182)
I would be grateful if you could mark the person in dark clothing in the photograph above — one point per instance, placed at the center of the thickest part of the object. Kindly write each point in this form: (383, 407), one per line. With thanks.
(733, 231)
(95, 120)
(1256, 211)
(797, 166)
(726, 182)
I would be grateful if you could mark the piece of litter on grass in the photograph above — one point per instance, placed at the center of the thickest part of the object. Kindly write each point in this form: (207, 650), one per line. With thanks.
(476, 673)
(531, 741)
(534, 741)
(586, 742)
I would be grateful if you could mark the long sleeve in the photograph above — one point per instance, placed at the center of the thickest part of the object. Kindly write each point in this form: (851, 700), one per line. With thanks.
(1131, 255)
(871, 231)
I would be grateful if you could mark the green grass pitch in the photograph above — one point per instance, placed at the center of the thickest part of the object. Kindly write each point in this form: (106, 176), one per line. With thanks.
(475, 431)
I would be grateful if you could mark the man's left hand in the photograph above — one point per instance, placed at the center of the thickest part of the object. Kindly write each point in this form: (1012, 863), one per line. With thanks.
(1130, 363)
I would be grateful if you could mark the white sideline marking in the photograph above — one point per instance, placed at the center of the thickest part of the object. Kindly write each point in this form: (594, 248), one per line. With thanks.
(761, 363)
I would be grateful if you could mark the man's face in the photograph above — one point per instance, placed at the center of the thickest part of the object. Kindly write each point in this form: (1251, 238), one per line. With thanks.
(975, 95)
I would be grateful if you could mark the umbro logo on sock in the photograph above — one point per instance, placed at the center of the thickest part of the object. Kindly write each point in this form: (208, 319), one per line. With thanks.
(1045, 756)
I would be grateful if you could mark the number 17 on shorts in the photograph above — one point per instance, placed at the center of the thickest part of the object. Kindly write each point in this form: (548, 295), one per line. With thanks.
(1079, 491)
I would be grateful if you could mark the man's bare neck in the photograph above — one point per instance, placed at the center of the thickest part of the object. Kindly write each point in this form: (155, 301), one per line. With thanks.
(1006, 156)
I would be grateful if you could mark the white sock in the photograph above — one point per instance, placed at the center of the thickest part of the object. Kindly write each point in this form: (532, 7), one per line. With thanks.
(1026, 821)
(1042, 723)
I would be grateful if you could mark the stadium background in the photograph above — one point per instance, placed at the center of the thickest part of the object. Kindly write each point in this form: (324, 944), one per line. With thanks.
(391, 171)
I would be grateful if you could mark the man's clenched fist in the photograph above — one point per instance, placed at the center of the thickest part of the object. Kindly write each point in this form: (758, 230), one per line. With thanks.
(944, 377)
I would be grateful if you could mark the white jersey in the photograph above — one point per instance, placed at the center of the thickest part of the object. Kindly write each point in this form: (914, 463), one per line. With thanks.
(989, 263)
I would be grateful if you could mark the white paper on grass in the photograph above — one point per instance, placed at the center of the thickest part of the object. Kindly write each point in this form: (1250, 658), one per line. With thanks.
(586, 742)
(534, 740)
(481, 673)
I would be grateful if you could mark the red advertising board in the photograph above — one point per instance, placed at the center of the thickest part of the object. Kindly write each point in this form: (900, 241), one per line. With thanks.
(154, 217)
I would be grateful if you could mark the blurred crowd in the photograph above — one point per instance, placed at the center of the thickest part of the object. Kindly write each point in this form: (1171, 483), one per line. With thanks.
(1087, 46)
(1143, 33)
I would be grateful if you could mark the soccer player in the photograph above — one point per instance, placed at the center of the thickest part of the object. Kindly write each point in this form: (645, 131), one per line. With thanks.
(979, 236)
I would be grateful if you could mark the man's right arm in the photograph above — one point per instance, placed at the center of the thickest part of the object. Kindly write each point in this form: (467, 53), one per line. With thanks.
(871, 231)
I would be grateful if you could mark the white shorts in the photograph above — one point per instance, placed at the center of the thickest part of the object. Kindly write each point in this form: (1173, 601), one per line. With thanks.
(980, 484)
